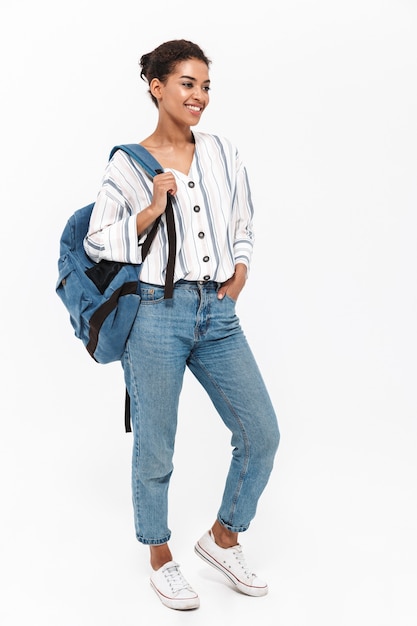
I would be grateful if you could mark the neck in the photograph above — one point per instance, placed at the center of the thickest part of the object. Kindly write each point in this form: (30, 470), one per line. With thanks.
(174, 136)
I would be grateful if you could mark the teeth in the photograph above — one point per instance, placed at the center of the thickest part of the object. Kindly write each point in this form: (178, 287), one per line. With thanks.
(193, 108)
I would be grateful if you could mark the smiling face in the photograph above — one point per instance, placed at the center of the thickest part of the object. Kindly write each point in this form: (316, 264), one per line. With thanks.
(185, 94)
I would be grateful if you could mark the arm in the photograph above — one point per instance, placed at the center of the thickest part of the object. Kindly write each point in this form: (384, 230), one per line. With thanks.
(244, 236)
(126, 207)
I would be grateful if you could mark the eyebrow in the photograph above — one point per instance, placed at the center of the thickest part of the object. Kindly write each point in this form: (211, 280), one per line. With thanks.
(192, 78)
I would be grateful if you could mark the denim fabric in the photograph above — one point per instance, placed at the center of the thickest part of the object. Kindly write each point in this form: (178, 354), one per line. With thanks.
(197, 330)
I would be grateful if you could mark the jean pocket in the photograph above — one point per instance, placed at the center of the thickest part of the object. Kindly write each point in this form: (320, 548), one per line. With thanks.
(151, 294)
(227, 297)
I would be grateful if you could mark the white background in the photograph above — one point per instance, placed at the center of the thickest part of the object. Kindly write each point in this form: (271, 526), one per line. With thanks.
(321, 99)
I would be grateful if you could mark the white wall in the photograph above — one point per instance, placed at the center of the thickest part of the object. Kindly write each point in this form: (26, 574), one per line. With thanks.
(321, 99)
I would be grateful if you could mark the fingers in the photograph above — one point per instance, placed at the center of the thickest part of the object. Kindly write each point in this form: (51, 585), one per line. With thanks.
(164, 183)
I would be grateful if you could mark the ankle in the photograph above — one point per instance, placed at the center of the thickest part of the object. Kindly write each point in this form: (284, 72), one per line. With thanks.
(222, 536)
(159, 555)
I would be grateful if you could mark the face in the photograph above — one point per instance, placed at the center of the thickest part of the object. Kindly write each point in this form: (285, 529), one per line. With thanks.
(185, 94)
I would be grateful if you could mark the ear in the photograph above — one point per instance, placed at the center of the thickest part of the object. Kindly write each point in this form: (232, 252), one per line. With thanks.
(155, 87)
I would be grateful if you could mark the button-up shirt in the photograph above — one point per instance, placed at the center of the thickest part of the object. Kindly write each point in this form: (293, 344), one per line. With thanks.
(212, 209)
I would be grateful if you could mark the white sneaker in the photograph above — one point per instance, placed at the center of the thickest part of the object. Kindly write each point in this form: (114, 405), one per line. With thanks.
(172, 588)
(231, 562)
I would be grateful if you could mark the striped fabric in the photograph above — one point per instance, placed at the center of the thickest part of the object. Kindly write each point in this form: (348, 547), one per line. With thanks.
(213, 215)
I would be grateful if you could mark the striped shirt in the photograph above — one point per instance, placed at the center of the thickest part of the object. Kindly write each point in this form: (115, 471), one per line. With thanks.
(212, 208)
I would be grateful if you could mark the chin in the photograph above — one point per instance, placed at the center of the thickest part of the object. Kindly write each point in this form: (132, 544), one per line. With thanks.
(195, 122)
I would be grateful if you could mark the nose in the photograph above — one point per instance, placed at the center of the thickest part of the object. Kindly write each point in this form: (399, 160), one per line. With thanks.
(198, 93)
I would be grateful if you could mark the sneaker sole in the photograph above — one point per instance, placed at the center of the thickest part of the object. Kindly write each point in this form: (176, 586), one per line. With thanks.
(180, 605)
(246, 589)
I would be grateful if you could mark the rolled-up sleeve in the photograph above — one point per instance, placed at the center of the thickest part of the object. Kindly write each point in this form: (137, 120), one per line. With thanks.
(244, 236)
(112, 232)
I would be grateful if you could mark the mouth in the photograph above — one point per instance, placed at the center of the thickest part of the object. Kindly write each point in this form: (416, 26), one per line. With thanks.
(194, 108)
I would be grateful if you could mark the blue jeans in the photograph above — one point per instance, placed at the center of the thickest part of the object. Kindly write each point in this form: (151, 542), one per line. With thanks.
(197, 330)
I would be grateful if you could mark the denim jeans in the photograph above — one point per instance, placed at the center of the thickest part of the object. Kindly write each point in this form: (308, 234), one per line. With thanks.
(197, 330)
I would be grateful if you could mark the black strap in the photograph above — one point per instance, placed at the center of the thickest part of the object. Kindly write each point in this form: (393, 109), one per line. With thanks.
(101, 314)
(172, 247)
(172, 243)
(128, 427)
(169, 278)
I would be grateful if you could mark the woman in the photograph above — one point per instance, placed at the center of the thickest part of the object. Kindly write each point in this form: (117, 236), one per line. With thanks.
(198, 327)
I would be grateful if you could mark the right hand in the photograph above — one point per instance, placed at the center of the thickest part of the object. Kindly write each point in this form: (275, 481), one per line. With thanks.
(162, 184)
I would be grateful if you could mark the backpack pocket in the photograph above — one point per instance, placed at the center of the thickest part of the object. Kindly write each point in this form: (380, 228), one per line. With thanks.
(71, 289)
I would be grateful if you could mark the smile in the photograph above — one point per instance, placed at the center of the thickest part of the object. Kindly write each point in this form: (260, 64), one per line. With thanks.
(191, 107)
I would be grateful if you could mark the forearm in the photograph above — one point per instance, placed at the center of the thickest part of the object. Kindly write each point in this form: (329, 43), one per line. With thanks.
(145, 219)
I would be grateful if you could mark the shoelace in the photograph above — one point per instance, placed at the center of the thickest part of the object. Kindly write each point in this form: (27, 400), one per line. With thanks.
(240, 557)
(175, 579)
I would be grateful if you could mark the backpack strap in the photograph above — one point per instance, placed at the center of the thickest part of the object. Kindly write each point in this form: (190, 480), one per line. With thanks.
(141, 155)
(152, 167)
(128, 421)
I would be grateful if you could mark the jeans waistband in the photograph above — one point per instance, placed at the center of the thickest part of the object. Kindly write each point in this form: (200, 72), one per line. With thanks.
(210, 285)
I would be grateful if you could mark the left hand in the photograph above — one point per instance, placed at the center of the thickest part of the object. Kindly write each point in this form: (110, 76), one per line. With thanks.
(234, 285)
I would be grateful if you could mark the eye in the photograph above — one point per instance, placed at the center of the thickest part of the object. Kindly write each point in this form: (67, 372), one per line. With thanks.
(207, 88)
(188, 85)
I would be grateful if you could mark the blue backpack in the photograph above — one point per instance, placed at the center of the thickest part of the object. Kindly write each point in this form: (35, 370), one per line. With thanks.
(103, 298)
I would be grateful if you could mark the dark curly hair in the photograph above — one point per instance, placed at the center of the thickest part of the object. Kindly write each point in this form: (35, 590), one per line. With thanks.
(161, 62)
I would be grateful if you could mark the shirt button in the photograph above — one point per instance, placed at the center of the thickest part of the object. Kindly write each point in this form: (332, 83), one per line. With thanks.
(207, 277)
(191, 184)
(201, 235)
(196, 208)
(206, 258)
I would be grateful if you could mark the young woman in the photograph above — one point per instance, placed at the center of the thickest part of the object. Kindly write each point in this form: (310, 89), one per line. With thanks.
(198, 327)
